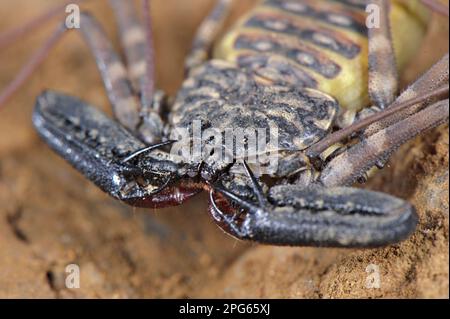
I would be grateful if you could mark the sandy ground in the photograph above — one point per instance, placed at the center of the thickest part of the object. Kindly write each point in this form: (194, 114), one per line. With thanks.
(50, 216)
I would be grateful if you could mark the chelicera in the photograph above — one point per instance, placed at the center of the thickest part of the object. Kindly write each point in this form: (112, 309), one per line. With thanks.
(307, 198)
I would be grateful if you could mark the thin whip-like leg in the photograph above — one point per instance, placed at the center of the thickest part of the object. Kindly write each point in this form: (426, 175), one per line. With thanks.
(347, 167)
(434, 80)
(126, 106)
(436, 6)
(207, 33)
(436, 77)
(27, 70)
(124, 103)
(383, 77)
(10, 36)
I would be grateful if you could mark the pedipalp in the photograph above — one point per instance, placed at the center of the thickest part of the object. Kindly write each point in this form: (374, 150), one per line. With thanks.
(314, 215)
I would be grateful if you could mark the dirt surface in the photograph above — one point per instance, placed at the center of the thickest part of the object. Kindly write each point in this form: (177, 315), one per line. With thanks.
(50, 216)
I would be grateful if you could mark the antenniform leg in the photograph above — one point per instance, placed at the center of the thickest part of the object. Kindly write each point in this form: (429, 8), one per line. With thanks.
(428, 88)
(108, 155)
(313, 216)
(383, 77)
(143, 119)
(436, 77)
(347, 167)
(385, 136)
(125, 107)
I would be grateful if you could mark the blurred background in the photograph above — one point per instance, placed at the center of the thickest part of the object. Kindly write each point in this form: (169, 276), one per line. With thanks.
(50, 216)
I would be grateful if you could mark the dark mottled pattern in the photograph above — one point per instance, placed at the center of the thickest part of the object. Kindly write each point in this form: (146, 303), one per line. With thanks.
(223, 97)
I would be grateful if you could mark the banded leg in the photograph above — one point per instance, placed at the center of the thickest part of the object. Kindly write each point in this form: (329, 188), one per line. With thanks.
(384, 136)
(430, 87)
(352, 164)
(124, 103)
(206, 34)
(133, 40)
(383, 77)
(313, 216)
(437, 76)
(137, 41)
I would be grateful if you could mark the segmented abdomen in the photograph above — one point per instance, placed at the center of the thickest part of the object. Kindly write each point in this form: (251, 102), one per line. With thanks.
(319, 44)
